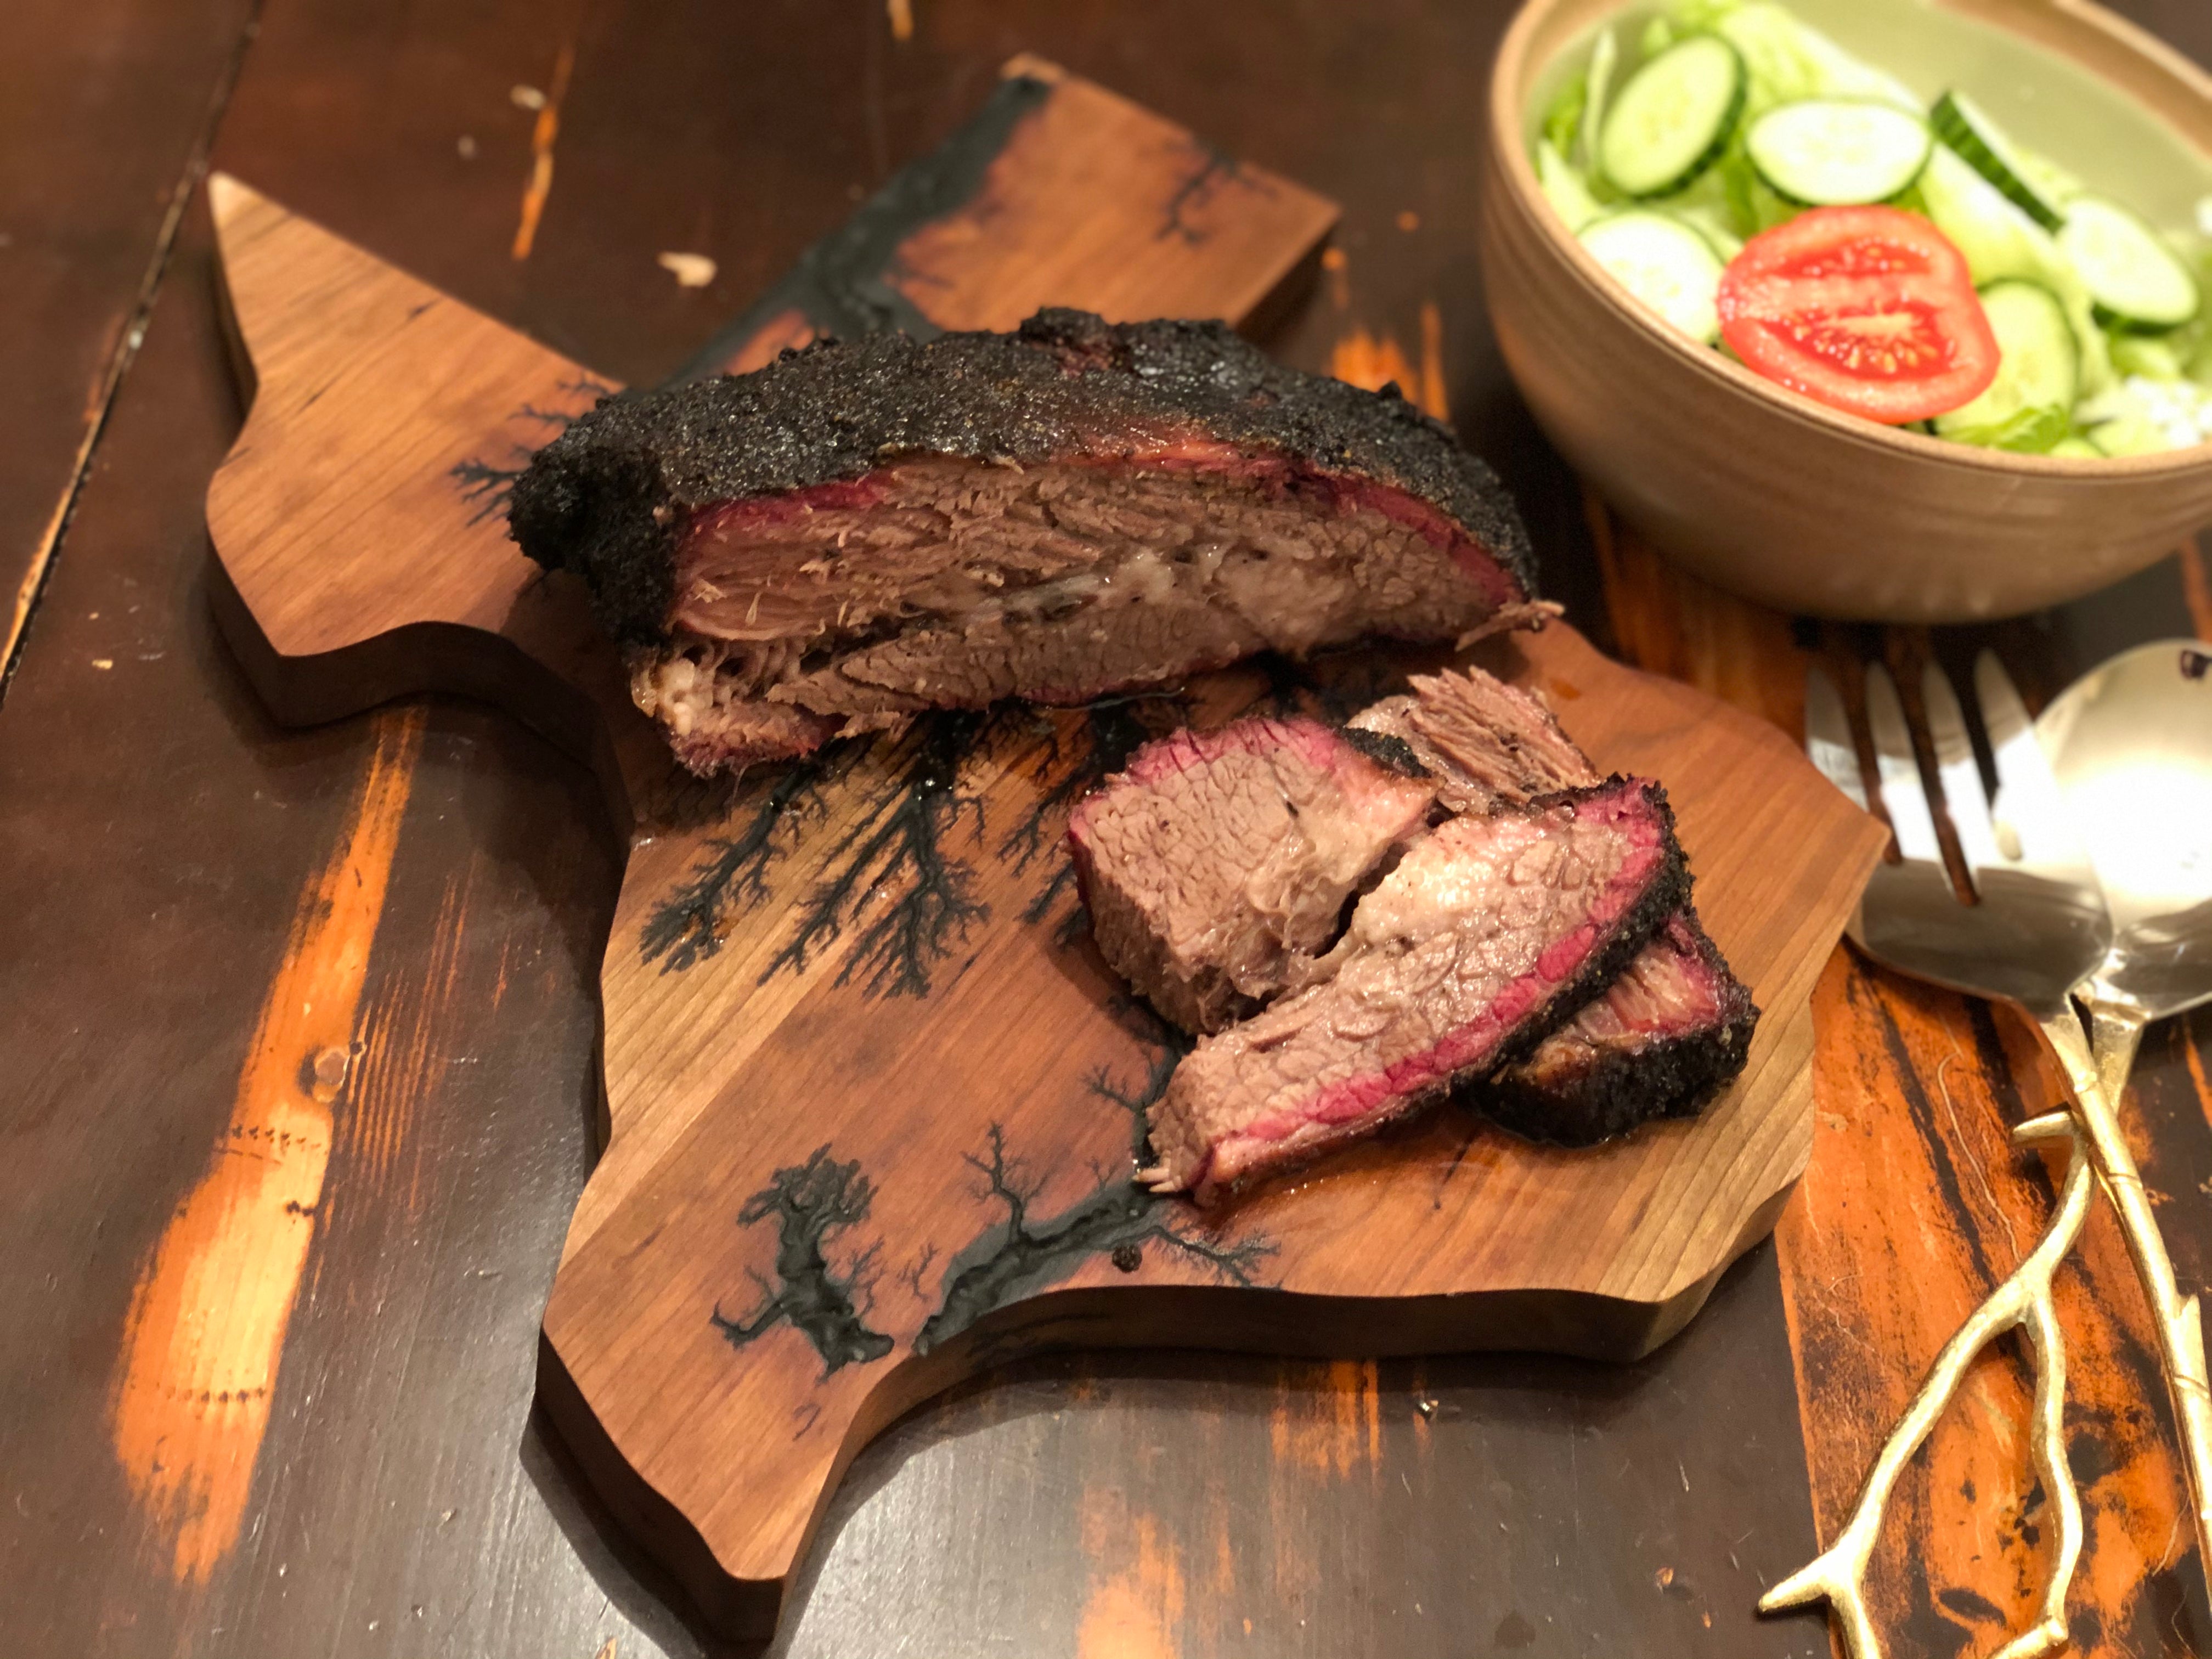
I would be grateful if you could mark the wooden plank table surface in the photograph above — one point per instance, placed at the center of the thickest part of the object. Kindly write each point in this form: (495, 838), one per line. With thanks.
(181, 882)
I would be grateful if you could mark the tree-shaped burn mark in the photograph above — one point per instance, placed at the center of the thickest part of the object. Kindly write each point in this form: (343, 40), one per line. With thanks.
(488, 486)
(889, 878)
(689, 924)
(811, 1203)
(1023, 1252)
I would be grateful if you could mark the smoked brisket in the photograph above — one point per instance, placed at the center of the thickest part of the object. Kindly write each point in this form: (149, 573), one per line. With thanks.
(867, 529)
(1487, 934)
(1235, 875)
(1666, 1035)
(1218, 865)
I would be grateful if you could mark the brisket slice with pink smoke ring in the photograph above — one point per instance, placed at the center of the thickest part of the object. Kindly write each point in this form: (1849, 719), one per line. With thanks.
(1485, 936)
(867, 529)
(1218, 865)
(1674, 1028)
(1671, 1030)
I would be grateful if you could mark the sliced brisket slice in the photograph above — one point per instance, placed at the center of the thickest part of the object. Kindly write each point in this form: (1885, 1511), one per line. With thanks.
(866, 529)
(1218, 865)
(1663, 1038)
(1666, 1034)
(1486, 743)
(1487, 932)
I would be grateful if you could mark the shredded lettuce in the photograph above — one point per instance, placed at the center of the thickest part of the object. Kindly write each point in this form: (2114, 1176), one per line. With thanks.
(1603, 57)
(1787, 57)
(2138, 416)
(2025, 432)
(1709, 205)
(2150, 357)
(1564, 120)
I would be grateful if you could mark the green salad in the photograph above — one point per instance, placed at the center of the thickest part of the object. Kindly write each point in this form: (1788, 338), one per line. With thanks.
(1767, 193)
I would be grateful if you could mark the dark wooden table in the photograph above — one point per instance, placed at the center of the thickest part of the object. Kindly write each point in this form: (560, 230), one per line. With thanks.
(395, 1494)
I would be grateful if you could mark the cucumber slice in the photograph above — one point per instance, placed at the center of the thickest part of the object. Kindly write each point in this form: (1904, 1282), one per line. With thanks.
(1836, 152)
(1673, 117)
(2134, 280)
(1960, 123)
(2077, 448)
(2039, 360)
(1664, 263)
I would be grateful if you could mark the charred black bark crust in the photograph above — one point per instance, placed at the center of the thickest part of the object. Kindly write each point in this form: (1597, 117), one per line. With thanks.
(1673, 1078)
(1391, 754)
(606, 497)
(1624, 1090)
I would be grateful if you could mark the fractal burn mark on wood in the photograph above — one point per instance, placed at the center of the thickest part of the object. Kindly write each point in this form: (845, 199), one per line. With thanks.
(812, 1203)
(867, 529)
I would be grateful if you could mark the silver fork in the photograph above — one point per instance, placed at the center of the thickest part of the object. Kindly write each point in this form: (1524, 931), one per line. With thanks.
(2039, 928)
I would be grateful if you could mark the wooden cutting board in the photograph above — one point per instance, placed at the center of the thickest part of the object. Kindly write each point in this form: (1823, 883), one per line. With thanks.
(870, 1098)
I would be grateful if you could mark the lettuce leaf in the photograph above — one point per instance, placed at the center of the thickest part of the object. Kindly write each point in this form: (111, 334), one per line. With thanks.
(1603, 58)
(2153, 356)
(1564, 117)
(1788, 58)
(2139, 417)
(2029, 432)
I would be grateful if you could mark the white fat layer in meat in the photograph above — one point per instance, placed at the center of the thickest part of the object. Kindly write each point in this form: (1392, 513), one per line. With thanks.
(683, 689)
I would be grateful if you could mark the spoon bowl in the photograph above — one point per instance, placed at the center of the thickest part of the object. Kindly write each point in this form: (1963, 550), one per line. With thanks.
(2131, 745)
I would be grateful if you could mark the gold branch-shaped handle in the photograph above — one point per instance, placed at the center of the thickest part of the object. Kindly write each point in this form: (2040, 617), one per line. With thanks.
(2100, 1149)
(1838, 1575)
(2098, 1079)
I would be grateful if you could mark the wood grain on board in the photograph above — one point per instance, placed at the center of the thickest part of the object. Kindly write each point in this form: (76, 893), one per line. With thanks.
(873, 1102)
(971, 1144)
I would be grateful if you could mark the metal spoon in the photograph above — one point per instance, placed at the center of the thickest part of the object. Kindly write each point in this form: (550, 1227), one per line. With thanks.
(2130, 744)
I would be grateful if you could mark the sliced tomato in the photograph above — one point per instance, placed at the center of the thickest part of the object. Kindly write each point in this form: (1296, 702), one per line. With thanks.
(1871, 310)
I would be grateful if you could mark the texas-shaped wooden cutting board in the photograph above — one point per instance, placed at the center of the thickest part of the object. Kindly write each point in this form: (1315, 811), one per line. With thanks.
(872, 1099)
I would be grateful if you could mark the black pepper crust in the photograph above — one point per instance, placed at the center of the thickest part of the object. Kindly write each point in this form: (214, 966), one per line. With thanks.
(605, 498)
(1675, 1077)
(1392, 754)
